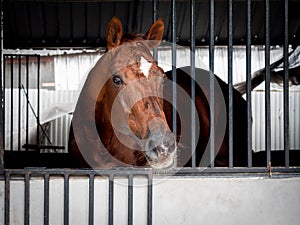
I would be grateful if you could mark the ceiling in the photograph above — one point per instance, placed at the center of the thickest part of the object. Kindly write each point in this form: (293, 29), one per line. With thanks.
(82, 24)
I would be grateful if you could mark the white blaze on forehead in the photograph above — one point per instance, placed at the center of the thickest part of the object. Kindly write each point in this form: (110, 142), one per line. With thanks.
(145, 66)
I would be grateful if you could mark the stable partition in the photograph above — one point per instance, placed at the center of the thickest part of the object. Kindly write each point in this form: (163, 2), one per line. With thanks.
(140, 197)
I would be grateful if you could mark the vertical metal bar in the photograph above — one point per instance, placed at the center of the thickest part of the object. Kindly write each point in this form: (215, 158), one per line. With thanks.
(192, 58)
(11, 101)
(155, 10)
(150, 198)
(267, 82)
(26, 207)
(7, 199)
(130, 199)
(111, 200)
(174, 74)
(2, 146)
(155, 17)
(85, 40)
(248, 83)
(19, 103)
(211, 88)
(46, 199)
(286, 85)
(3, 100)
(66, 199)
(230, 90)
(38, 101)
(100, 13)
(27, 104)
(91, 199)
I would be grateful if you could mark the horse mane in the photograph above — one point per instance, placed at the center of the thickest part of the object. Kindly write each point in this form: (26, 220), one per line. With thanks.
(128, 37)
(132, 36)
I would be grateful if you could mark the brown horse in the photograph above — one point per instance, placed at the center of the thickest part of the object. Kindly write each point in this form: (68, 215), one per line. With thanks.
(124, 112)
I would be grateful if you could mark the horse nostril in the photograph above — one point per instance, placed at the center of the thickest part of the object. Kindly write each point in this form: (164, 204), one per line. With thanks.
(169, 142)
(163, 149)
(171, 147)
(151, 145)
(151, 150)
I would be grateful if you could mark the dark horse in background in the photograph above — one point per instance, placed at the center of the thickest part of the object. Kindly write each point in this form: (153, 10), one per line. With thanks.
(124, 114)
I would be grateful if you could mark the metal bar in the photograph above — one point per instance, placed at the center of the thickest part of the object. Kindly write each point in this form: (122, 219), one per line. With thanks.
(91, 199)
(27, 105)
(3, 100)
(174, 74)
(11, 101)
(248, 83)
(197, 171)
(66, 199)
(230, 89)
(211, 83)
(192, 58)
(155, 17)
(7, 199)
(85, 40)
(286, 85)
(267, 82)
(130, 199)
(38, 102)
(19, 103)
(111, 200)
(32, 146)
(27, 206)
(150, 198)
(135, 12)
(100, 13)
(46, 199)
(2, 131)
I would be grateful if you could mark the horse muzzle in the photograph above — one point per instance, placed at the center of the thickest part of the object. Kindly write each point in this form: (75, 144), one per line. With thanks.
(160, 150)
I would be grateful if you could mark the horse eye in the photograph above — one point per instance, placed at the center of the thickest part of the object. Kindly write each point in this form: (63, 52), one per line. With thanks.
(117, 80)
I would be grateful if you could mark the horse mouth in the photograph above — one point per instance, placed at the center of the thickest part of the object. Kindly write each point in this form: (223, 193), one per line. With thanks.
(162, 160)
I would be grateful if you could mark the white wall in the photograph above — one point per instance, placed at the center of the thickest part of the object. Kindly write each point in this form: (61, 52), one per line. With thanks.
(176, 200)
(72, 69)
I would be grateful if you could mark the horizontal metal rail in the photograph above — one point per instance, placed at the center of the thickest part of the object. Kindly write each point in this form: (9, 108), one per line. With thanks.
(197, 171)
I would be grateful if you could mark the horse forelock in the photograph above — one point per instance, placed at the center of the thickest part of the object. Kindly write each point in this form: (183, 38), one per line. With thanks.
(128, 37)
(129, 54)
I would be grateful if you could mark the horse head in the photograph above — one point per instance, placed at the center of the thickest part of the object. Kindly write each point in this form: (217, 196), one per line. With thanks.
(128, 108)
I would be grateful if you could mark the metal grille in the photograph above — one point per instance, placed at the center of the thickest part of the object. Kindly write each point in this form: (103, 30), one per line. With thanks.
(27, 174)
(50, 178)
(20, 90)
(24, 108)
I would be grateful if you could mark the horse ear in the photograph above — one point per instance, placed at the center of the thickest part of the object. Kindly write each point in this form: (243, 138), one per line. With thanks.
(155, 33)
(114, 33)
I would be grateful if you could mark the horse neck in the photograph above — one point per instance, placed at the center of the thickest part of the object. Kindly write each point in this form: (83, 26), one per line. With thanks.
(103, 122)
